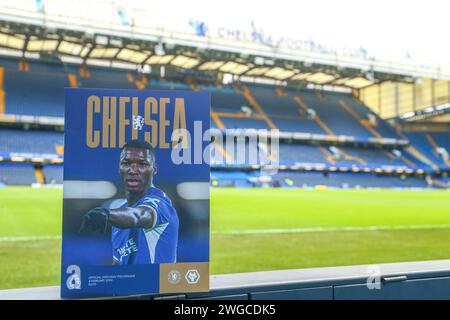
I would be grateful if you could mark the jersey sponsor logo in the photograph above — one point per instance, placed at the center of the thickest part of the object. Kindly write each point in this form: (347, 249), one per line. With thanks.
(153, 201)
(128, 248)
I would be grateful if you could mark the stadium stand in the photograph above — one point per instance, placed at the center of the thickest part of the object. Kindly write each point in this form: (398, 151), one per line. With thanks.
(364, 113)
(306, 153)
(442, 139)
(351, 180)
(249, 106)
(339, 120)
(168, 85)
(299, 124)
(301, 111)
(226, 100)
(285, 112)
(30, 141)
(53, 174)
(374, 156)
(314, 179)
(445, 180)
(17, 174)
(237, 123)
(426, 144)
(301, 153)
(35, 91)
(100, 78)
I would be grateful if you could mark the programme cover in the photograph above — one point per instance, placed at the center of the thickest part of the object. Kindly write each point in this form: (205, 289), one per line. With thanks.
(136, 192)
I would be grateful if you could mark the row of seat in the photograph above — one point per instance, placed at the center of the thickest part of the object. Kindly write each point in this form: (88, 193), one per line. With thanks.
(40, 91)
(313, 179)
(30, 141)
(305, 153)
(25, 174)
(434, 145)
(47, 142)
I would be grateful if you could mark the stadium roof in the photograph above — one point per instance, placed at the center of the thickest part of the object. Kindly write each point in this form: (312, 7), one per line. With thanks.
(127, 40)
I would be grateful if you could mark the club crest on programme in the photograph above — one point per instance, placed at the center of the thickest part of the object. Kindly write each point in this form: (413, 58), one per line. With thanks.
(174, 277)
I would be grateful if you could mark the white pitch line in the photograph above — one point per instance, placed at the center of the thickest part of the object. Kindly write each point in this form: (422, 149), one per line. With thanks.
(31, 238)
(272, 231)
(325, 229)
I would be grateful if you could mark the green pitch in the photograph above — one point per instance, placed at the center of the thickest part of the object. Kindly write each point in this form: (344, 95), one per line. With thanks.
(268, 229)
(252, 230)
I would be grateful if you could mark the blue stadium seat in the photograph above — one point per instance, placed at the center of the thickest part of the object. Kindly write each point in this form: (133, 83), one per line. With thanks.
(53, 174)
(26, 141)
(375, 156)
(420, 142)
(337, 119)
(17, 174)
(297, 125)
(238, 123)
(352, 180)
(228, 101)
(109, 78)
(40, 91)
(300, 153)
(313, 179)
(382, 127)
(442, 139)
(168, 85)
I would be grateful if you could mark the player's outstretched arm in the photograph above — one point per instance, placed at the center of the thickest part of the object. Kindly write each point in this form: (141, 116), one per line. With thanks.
(124, 218)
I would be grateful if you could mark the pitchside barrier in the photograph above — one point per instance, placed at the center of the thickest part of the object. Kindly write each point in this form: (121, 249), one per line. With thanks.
(406, 280)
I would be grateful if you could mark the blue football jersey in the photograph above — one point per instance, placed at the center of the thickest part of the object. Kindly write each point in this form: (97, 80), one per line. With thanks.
(157, 244)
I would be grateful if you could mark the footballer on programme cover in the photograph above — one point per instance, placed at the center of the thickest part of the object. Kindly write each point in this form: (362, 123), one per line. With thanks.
(136, 192)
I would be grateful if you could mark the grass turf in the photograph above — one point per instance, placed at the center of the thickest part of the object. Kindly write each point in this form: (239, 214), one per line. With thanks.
(245, 253)
(253, 209)
(262, 210)
(27, 212)
(25, 264)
